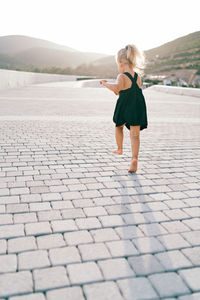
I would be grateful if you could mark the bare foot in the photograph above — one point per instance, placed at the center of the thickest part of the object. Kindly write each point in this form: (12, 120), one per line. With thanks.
(133, 166)
(119, 151)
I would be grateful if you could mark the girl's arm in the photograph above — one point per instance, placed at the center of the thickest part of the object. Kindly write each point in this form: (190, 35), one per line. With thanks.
(115, 87)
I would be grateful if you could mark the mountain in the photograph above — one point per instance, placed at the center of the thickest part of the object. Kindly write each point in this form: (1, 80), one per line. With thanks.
(23, 52)
(183, 52)
(12, 44)
(177, 59)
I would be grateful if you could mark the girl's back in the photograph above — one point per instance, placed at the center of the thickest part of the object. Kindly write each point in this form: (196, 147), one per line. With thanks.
(128, 81)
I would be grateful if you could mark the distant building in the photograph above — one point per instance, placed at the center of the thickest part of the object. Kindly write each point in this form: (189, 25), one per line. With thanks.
(167, 81)
(181, 82)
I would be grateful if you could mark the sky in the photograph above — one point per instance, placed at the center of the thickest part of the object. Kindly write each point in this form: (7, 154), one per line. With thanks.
(103, 26)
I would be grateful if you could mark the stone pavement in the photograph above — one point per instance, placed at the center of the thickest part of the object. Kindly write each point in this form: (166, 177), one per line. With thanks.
(74, 224)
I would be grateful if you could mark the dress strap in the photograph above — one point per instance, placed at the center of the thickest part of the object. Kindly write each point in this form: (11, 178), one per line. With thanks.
(133, 79)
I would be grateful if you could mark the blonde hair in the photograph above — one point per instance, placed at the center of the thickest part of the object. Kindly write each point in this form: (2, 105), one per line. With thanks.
(133, 56)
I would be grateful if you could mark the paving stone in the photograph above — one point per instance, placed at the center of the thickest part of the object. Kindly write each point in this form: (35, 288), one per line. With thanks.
(3, 246)
(110, 221)
(156, 206)
(145, 264)
(71, 195)
(173, 260)
(193, 237)
(88, 223)
(19, 191)
(115, 268)
(78, 237)
(61, 204)
(193, 223)
(192, 211)
(2, 208)
(77, 187)
(152, 229)
(160, 196)
(48, 278)
(25, 218)
(63, 225)
(173, 241)
(192, 278)
(156, 216)
(102, 291)
(105, 234)
(50, 241)
(87, 272)
(83, 203)
(129, 232)
(21, 244)
(176, 214)
(15, 283)
(9, 199)
(64, 255)
(193, 296)
(6, 219)
(134, 218)
(94, 251)
(49, 215)
(175, 226)
(74, 292)
(109, 192)
(94, 186)
(193, 254)
(33, 259)
(72, 213)
(51, 196)
(133, 288)
(39, 189)
(8, 263)
(35, 296)
(137, 207)
(148, 244)
(94, 211)
(17, 208)
(8, 231)
(40, 206)
(103, 201)
(168, 284)
(58, 188)
(121, 248)
(37, 228)
(116, 209)
(4, 192)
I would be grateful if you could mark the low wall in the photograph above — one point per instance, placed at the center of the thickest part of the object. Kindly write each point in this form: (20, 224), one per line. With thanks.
(12, 79)
(93, 82)
(176, 90)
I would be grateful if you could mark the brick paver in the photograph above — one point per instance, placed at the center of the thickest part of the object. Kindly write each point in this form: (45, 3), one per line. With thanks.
(74, 224)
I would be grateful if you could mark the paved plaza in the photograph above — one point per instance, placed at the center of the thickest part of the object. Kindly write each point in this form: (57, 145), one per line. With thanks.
(74, 224)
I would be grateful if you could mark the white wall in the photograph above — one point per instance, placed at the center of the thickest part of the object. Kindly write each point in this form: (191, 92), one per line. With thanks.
(12, 79)
(176, 90)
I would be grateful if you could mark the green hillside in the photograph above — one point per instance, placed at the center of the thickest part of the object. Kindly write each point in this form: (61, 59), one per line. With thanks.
(182, 53)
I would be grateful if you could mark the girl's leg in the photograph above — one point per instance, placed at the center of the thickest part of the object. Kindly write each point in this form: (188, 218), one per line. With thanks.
(119, 134)
(135, 145)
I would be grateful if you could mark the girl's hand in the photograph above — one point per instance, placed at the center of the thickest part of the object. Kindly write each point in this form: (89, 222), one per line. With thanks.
(103, 81)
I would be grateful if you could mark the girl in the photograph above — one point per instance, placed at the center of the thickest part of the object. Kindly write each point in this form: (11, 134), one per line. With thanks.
(130, 109)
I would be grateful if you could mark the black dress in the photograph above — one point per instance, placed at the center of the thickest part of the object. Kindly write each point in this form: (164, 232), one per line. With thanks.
(131, 106)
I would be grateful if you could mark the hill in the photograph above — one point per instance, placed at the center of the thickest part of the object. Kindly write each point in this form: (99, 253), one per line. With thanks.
(177, 59)
(23, 52)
